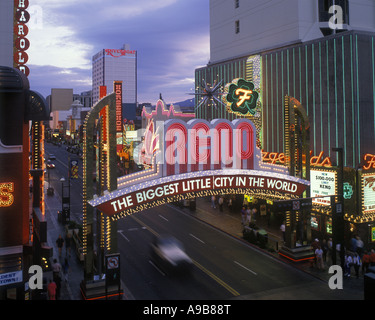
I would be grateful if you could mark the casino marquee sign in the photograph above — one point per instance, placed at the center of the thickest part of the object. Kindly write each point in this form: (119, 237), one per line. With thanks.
(197, 159)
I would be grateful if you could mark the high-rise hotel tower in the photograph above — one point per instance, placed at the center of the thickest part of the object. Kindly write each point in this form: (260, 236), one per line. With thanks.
(109, 65)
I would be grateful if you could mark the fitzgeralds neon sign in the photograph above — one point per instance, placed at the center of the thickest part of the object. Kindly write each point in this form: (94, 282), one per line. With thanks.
(369, 160)
(241, 97)
(280, 158)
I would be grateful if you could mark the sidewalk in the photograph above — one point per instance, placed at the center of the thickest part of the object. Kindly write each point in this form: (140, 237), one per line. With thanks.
(70, 290)
(230, 222)
(226, 221)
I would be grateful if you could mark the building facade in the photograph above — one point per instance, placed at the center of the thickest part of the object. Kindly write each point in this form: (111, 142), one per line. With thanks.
(239, 27)
(109, 65)
(291, 48)
(6, 33)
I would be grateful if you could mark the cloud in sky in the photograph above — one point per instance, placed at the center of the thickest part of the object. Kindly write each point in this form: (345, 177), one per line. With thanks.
(170, 36)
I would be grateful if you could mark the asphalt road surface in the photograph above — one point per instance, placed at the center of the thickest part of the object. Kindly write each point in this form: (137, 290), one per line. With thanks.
(224, 267)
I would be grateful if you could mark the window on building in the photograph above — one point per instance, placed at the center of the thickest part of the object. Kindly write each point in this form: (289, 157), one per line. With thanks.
(237, 26)
(236, 3)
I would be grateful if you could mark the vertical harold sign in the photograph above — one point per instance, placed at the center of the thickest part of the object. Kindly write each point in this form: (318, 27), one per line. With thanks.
(21, 43)
(118, 94)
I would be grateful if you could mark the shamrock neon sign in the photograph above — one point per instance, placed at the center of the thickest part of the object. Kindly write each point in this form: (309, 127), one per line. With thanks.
(348, 190)
(241, 97)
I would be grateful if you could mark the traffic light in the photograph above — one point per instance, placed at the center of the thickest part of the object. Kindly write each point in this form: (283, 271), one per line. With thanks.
(283, 205)
(292, 205)
(65, 215)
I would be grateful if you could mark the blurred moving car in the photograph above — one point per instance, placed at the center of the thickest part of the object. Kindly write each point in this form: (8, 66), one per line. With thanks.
(52, 157)
(50, 165)
(169, 254)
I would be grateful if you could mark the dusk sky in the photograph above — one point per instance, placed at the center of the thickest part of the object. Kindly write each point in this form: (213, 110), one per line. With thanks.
(170, 36)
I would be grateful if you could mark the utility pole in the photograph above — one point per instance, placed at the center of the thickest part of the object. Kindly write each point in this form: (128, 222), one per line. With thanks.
(338, 209)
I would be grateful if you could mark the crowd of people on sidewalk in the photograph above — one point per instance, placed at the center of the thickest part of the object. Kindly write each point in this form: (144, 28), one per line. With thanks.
(60, 272)
(220, 201)
(355, 257)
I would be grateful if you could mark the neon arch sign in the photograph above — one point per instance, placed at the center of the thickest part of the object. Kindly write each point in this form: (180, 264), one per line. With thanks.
(196, 159)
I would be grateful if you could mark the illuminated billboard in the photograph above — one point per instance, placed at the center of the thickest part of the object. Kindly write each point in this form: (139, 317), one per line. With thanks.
(12, 191)
(368, 193)
(323, 183)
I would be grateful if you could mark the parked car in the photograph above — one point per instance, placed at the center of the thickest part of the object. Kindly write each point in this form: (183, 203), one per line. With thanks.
(169, 254)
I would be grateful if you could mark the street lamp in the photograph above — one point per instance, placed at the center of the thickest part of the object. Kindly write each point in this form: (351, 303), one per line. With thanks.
(65, 202)
(338, 209)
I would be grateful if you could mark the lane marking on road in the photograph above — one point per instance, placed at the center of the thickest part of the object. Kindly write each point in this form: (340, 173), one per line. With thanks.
(164, 218)
(196, 238)
(121, 232)
(217, 279)
(146, 226)
(156, 267)
(209, 273)
(239, 264)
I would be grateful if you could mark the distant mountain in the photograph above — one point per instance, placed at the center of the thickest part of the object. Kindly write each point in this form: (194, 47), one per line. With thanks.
(186, 104)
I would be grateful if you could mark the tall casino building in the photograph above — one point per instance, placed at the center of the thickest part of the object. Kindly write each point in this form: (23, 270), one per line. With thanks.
(322, 53)
(110, 65)
(23, 234)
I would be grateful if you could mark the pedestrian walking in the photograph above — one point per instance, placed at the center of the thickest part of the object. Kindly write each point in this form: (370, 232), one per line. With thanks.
(329, 247)
(51, 289)
(319, 258)
(66, 269)
(372, 258)
(248, 216)
(325, 250)
(268, 217)
(365, 262)
(58, 287)
(357, 263)
(348, 265)
(221, 202)
(353, 244)
(254, 215)
(68, 244)
(282, 228)
(360, 245)
(56, 268)
(243, 215)
(314, 247)
(60, 244)
(230, 204)
(213, 202)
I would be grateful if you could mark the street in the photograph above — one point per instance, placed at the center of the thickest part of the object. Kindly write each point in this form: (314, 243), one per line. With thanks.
(224, 267)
